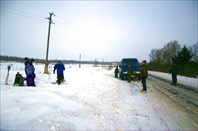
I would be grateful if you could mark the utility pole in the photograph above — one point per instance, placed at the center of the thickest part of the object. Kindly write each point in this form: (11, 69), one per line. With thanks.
(102, 62)
(80, 61)
(48, 38)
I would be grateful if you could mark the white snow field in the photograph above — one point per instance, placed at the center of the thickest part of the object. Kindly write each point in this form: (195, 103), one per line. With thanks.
(91, 99)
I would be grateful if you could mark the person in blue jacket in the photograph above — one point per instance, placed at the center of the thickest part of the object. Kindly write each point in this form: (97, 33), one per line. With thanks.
(60, 72)
(30, 75)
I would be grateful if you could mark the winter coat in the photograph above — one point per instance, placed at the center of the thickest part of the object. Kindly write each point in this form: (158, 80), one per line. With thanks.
(29, 69)
(144, 71)
(116, 70)
(60, 68)
(129, 72)
(174, 69)
(19, 80)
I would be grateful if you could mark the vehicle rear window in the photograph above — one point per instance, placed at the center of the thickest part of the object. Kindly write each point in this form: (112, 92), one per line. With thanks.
(130, 62)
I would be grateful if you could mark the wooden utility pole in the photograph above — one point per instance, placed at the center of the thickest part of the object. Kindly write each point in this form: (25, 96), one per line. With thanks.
(48, 38)
(80, 61)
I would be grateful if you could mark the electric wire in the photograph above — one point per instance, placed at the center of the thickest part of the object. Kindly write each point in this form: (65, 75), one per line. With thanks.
(22, 14)
(83, 29)
(72, 26)
(35, 8)
(79, 28)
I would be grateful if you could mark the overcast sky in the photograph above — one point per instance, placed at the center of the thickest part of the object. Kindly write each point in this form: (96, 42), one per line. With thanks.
(109, 30)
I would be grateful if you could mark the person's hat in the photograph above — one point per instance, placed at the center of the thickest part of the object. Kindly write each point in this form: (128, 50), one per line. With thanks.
(144, 61)
(25, 58)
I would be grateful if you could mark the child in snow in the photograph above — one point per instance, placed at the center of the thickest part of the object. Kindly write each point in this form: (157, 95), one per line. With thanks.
(60, 75)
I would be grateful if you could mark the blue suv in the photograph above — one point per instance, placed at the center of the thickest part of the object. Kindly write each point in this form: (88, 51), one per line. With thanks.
(135, 66)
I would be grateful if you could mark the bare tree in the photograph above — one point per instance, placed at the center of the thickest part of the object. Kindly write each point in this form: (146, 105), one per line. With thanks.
(170, 50)
(165, 54)
(152, 55)
(194, 51)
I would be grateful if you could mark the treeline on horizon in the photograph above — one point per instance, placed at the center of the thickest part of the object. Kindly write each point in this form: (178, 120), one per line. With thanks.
(20, 59)
(160, 59)
(186, 59)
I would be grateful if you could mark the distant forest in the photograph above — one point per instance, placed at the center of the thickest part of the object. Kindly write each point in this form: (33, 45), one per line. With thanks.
(20, 59)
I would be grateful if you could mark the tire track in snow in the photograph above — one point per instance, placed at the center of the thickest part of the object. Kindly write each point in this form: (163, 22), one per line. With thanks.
(136, 87)
(180, 106)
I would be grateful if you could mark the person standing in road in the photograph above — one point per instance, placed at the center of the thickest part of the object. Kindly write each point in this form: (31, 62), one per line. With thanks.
(60, 75)
(129, 73)
(174, 72)
(116, 72)
(144, 75)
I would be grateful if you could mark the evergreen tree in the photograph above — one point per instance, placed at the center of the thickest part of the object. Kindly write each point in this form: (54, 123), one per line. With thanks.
(183, 57)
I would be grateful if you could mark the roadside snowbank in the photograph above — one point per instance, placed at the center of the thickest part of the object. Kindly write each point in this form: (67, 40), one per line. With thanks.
(192, 82)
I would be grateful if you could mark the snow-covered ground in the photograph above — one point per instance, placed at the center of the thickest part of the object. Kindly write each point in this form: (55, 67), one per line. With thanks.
(192, 82)
(91, 99)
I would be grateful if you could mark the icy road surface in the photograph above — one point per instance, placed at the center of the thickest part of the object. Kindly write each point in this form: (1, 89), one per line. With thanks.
(91, 99)
(191, 82)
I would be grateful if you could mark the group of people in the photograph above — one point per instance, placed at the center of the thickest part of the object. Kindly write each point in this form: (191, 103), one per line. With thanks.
(129, 73)
(59, 67)
(143, 73)
(30, 73)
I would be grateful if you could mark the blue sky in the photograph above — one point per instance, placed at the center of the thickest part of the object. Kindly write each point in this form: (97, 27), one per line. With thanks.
(108, 30)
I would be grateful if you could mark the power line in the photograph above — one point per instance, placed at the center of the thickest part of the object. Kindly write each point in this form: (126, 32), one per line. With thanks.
(31, 14)
(38, 9)
(23, 15)
(63, 25)
(93, 34)
(74, 26)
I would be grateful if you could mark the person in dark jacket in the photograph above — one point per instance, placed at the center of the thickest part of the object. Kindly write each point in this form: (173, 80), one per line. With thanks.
(116, 72)
(19, 80)
(144, 75)
(129, 73)
(174, 72)
(60, 69)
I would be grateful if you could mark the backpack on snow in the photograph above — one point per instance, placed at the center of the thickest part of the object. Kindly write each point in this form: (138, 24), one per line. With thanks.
(19, 80)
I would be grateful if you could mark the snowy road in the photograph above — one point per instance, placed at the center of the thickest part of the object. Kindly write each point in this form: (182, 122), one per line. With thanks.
(180, 103)
(92, 99)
